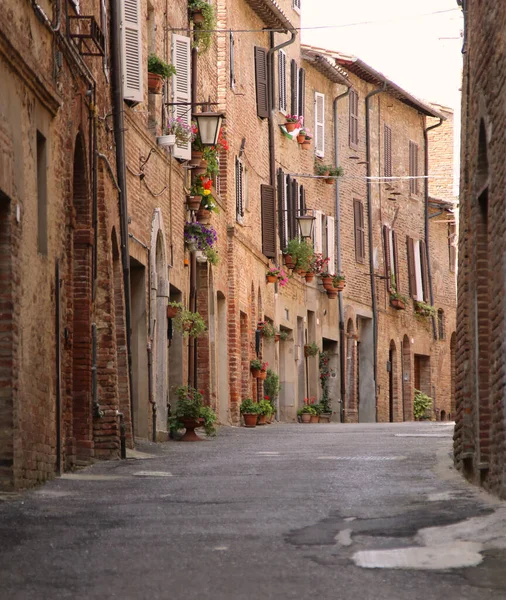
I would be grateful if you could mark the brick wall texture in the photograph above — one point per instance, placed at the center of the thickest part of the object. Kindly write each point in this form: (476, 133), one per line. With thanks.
(50, 418)
(480, 367)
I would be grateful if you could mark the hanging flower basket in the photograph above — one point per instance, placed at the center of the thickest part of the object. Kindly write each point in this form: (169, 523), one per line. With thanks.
(173, 308)
(166, 141)
(277, 337)
(197, 16)
(329, 181)
(193, 202)
(327, 282)
(306, 144)
(155, 83)
(309, 277)
(332, 294)
(262, 375)
(203, 216)
(271, 278)
(397, 303)
(289, 261)
(301, 138)
(339, 283)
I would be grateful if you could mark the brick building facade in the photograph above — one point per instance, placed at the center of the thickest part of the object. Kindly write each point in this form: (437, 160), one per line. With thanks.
(93, 237)
(479, 440)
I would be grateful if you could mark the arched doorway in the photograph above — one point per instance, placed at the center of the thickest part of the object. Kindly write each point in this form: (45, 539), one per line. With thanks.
(81, 261)
(407, 389)
(393, 395)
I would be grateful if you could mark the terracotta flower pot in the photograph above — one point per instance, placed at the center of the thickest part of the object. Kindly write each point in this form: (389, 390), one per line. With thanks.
(314, 419)
(325, 417)
(327, 283)
(277, 337)
(329, 181)
(300, 272)
(198, 172)
(255, 373)
(190, 426)
(290, 127)
(197, 16)
(203, 216)
(309, 277)
(155, 83)
(306, 145)
(301, 138)
(262, 420)
(397, 303)
(250, 419)
(172, 311)
(196, 158)
(305, 418)
(332, 294)
(289, 262)
(272, 278)
(340, 286)
(263, 375)
(193, 202)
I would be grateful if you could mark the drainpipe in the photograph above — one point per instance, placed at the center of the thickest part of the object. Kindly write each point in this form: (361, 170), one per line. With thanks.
(342, 358)
(427, 217)
(370, 234)
(192, 344)
(119, 138)
(270, 71)
(58, 366)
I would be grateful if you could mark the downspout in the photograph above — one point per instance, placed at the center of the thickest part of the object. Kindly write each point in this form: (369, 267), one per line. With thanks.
(58, 366)
(192, 344)
(270, 71)
(370, 234)
(426, 197)
(119, 138)
(342, 359)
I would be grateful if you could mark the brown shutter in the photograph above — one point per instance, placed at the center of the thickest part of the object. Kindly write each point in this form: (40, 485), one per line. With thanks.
(425, 272)
(388, 266)
(293, 208)
(261, 82)
(358, 211)
(411, 267)
(353, 120)
(268, 220)
(294, 81)
(387, 143)
(302, 93)
(396, 263)
(281, 209)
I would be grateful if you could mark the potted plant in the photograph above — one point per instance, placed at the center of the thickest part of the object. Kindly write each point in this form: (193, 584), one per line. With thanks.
(306, 144)
(175, 131)
(272, 388)
(190, 324)
(272, 275)
(424, 310)
(338, 282)
(173, 308)
(311, 349)
(325, 374)
(301, 138)
(398, 301)
(305, 413)
(291, 122)
(264, 410)
(249, 410)
(199, 237)
(327, 280)
(268, 330)
(191, 413)
(204, 23)
(284, 336)
(301, 252)
(289, 260)
(258, 369)
(158, 71)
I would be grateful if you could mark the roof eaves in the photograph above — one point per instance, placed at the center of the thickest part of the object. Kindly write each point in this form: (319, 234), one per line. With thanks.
(326, 65)
(271, 14)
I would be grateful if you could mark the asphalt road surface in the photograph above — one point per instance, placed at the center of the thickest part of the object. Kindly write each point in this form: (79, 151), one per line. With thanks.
(347, 512)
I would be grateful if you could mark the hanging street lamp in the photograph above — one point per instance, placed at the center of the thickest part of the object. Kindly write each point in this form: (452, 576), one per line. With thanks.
(209, 125)
(306, 223)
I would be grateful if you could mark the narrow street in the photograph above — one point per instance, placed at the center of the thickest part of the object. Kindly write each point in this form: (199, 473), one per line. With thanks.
(285, 511)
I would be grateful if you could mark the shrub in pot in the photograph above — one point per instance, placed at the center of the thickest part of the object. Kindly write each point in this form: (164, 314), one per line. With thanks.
(191, 413)
(249, 410)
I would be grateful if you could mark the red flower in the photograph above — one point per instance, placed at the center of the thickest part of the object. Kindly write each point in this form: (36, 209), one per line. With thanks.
(266, 398)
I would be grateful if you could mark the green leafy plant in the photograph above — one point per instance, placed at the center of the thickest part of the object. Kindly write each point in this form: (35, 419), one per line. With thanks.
(249, 407)
(421, 403)
(265, 408)
(258, 365)
(177, 305)
(210, 154)
(212, 256)
(190, 406)
(284, 335)
(160, 67)
(311, 349)
(322, 169)
(307, 409)
(203, 31)
(271, 385)
(268, 330)
(325, 374)
(423, 309)
(338, 279)
(302, 253)
(189, 323)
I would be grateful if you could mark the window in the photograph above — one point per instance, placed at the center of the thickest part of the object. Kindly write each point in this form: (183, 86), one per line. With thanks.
(268, 220)
(358, 210)
(441, 324)
(282, 80)
(387, 148)
(241, 201)
(452, 246)
(330, 243)
(417, 270)
(232, 60)
(262, 88)
(413, 168)
(318, 231)
(181, 88)
(298, 91)
(353, 119)
(133, 66)
(41, 194)
(391, 259)
(319, 124)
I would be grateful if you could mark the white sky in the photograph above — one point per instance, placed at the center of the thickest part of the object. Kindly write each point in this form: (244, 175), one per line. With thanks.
(400, 42)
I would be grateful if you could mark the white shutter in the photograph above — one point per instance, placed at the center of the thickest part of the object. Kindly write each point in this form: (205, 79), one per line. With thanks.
(181, 88)
(331, 235)
(133, 67)
(319, 124)
(318, 231)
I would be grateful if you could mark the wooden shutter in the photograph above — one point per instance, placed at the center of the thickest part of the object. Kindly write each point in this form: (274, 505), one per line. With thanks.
(181, 88)
(331, 241)
(267, 195)
(411, 266)
(293, 201)
(282, 80)
(318, 233)
(301, 111)
(319, 124)
(133, 65)
(395, 266)
(358, 211)
(388, 266)
(387, 143)
(239, 187)
(232, 60)
(282, 209)
(425, 271)
(413, 168)
(353, 125)
(302, 201)
(294, 87)
(262, 87)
